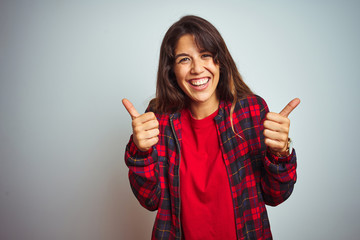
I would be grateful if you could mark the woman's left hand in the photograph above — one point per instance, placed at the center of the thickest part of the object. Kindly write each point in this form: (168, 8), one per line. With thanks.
(276, 128)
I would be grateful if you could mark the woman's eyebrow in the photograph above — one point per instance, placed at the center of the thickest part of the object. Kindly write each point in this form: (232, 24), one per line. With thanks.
(187, 55)
(181, 55)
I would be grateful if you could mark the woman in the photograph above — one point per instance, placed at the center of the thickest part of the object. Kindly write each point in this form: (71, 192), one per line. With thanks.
(207, 154)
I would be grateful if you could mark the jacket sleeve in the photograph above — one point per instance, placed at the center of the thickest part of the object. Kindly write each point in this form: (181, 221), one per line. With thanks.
(143, 175)
(279, 173)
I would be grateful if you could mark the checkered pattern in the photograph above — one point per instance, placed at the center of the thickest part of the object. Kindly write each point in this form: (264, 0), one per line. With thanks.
(256, 176)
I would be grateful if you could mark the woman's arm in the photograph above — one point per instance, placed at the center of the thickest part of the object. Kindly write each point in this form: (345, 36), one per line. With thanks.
(279, 173)
(279, 177)
(143, 175)
(141, 157)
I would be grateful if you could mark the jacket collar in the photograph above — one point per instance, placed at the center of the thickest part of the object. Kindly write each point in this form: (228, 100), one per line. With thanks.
(224, 107)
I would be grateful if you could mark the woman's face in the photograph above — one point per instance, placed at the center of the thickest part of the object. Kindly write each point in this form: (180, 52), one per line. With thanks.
(196, 72)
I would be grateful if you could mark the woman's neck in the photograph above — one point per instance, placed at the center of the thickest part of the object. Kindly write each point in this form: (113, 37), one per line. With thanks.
(202, 110)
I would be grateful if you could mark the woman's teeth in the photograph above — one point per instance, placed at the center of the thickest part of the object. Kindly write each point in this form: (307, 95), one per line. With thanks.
(199, 82)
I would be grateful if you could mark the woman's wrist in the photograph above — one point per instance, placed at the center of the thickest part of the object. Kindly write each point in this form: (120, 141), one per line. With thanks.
(285, 152)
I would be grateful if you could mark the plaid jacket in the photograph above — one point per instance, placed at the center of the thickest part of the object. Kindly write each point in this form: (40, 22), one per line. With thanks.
(256, 176)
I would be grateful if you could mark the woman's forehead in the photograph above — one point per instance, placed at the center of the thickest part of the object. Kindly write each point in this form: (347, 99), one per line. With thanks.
(193, 40)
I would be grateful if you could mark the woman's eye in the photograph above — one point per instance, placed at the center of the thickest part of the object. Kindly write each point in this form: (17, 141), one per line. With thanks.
(207, 55)
(183, 60)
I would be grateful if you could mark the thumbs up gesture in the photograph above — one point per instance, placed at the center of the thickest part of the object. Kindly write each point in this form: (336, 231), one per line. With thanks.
(276, 128)
(145, 127)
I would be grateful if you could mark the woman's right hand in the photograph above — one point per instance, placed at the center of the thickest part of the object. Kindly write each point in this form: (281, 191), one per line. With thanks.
(145, 127)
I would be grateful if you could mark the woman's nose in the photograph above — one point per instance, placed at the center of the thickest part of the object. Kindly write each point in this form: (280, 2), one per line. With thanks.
(197, 66)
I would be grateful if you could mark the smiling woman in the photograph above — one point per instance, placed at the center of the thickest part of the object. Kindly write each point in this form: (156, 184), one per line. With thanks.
(207, 154)
(169, 98)
(197, 75)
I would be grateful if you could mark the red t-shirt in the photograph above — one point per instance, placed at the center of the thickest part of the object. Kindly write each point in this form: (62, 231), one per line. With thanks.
(206, 204)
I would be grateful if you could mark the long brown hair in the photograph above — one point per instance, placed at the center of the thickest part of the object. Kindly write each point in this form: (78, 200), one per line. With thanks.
(169, 96)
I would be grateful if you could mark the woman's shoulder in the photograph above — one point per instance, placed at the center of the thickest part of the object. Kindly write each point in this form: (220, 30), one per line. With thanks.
(251, 101)
(162, 116)
(152, 107)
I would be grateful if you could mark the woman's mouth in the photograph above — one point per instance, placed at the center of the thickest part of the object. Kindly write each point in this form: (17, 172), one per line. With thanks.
(199, 82)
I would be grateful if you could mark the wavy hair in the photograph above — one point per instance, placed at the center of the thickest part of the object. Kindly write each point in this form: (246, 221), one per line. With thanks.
(169, 96)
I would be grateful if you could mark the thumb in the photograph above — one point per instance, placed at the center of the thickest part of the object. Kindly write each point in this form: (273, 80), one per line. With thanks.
(130, 108)
(290, 107)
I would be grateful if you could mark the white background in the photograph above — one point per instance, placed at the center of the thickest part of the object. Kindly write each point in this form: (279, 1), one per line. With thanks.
(66, 65)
